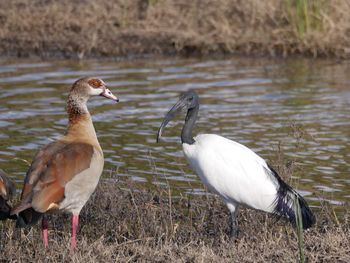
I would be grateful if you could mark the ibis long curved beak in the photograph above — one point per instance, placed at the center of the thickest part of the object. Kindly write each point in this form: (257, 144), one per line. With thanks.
(178, 107)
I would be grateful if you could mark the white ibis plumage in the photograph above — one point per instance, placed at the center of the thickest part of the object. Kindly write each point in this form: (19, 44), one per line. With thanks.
(65, 173)
(235, 172)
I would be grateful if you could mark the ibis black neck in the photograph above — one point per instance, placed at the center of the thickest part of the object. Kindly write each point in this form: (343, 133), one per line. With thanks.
(191, 117)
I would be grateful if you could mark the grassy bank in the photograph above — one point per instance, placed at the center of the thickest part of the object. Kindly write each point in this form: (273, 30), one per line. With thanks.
(81, 28)
(121, 223)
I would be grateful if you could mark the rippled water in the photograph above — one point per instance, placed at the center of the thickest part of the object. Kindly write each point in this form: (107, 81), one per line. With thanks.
(260, 103)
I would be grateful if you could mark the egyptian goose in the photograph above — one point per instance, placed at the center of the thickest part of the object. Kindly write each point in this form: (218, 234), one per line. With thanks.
(65, 173)
(7, 190)
(234, 172)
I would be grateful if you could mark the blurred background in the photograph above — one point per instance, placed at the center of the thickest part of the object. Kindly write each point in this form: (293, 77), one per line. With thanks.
(80, 28)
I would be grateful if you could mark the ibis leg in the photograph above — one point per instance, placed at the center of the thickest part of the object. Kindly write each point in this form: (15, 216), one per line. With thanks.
(233, 220)
(234, 226)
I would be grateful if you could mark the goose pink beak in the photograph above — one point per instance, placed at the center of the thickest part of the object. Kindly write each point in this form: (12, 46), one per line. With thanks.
(109, 95)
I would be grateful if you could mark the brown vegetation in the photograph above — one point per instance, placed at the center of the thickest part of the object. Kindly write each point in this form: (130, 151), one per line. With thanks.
(78, 28)
(121, 223)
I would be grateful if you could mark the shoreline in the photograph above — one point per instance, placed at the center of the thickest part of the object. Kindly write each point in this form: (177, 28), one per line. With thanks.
(163, 49)
(81, 29)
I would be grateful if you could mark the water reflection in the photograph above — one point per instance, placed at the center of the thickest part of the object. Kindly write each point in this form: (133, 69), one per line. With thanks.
(253, 101)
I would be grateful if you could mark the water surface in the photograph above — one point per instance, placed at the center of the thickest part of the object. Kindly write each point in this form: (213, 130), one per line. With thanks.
(299, 106)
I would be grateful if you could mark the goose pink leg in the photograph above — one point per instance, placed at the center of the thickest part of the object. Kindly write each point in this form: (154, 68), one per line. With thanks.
(75, 222)
(44, 227)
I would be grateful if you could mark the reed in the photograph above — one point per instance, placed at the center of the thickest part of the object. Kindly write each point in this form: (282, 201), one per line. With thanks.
(306, 15)
(299, 230)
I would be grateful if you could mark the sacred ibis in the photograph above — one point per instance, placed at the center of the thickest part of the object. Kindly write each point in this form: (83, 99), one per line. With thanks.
(235, 172)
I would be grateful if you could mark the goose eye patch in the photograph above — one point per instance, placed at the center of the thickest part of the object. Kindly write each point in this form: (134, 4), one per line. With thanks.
(95, 83)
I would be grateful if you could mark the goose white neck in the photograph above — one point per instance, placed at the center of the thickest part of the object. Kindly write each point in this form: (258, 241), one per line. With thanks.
(77, 104)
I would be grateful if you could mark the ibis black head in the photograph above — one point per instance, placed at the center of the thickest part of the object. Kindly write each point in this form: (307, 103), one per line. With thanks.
(188, 101)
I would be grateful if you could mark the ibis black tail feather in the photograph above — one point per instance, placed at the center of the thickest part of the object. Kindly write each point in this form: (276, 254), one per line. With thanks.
(285, 204)
(307, 216)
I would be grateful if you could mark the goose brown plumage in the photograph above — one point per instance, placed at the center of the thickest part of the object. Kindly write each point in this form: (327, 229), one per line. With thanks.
(7, 190)
(65, 173)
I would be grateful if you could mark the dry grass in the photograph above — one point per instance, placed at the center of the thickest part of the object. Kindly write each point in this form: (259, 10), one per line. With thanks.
(78, 28)
(121, 223)
(124, 223)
